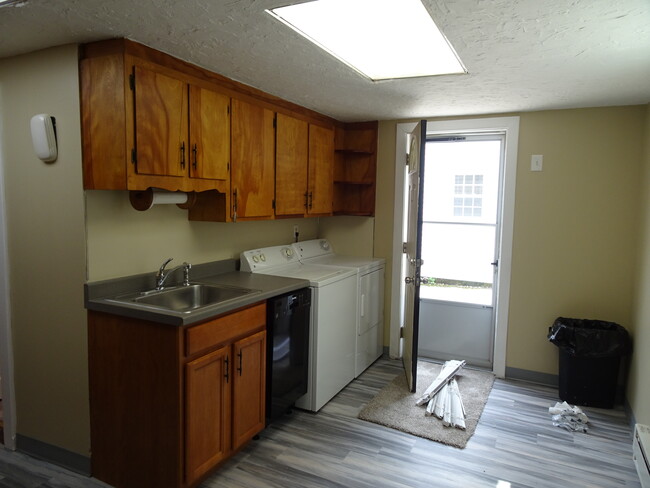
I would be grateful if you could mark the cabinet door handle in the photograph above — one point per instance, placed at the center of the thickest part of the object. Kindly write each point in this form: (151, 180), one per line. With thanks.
(306, 200)
(239, 369)
(311, 199)
(227, 369)
(183, 154)
(194, 156)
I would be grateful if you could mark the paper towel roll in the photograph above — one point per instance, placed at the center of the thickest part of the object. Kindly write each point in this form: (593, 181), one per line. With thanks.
(144, 200)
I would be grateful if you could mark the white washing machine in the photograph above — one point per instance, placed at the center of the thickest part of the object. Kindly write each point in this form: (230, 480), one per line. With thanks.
(332, 328)
(370, 296)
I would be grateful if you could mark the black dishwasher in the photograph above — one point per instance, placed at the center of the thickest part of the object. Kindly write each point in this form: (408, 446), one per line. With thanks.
(287, 354)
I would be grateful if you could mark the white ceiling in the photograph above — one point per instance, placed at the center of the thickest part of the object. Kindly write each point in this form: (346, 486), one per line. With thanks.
(521, 55)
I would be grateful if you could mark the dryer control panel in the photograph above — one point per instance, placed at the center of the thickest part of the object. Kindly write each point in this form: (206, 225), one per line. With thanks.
(267, 258)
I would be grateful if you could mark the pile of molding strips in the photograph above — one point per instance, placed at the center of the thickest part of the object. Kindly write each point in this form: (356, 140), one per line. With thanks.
(443, 396)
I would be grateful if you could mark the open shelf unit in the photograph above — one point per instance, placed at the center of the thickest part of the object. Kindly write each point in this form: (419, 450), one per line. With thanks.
(355, 168)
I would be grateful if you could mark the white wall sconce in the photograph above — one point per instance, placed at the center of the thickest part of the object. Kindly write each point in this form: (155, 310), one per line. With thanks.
(43, 128)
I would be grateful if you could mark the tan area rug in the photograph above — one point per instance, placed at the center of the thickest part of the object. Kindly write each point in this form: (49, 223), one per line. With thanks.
(394, 406)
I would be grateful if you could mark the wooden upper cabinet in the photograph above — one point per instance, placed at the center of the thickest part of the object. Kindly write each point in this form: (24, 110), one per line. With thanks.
(291, 162)
(149, 120)
(321, 168)
(209, 151)
(304, 168)
(161, 134)
(253, 161)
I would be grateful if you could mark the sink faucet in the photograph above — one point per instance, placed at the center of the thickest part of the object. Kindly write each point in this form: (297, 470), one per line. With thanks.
(163, 274)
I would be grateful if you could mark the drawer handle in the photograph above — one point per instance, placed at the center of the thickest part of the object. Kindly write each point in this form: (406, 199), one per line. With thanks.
(227, 369)
(239, 368)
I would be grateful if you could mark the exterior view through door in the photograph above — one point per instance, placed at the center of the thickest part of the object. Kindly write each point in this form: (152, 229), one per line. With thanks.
(460, 229)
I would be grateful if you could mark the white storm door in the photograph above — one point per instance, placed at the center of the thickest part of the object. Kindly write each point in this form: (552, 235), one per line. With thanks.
(413, 251)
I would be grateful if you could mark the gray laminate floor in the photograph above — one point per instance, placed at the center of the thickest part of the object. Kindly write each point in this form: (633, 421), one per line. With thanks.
(515, 445)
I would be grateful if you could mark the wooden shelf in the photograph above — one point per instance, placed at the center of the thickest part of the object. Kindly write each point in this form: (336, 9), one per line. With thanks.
(347, 182)
(355, 169)
(354, 214)
(354, 151)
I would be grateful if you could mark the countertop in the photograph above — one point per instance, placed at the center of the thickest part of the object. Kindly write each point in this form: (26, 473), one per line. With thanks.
(98, 294)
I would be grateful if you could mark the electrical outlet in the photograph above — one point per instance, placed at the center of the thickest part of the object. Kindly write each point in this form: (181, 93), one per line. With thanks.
(536, 162)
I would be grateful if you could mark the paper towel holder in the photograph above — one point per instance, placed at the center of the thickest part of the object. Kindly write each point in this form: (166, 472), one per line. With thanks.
(144, 199)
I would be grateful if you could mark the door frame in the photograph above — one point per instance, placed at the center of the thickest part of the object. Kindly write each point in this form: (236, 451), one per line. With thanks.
(509, 125)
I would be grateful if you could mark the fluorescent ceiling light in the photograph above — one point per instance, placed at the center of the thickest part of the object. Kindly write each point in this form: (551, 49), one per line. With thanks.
(382, 39)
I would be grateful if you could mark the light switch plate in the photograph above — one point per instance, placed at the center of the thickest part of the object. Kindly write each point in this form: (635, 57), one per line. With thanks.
(536, 162)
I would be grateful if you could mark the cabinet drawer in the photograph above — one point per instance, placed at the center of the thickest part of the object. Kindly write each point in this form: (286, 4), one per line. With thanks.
(224, 329)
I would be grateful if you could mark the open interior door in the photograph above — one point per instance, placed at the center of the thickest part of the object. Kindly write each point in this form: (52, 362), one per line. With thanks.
(413, 252)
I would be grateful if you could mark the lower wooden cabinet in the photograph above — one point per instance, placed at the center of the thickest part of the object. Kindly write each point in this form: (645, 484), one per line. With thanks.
(224, 403)
(167, 403)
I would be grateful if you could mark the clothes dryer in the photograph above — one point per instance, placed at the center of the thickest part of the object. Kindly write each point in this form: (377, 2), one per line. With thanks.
(369, 291)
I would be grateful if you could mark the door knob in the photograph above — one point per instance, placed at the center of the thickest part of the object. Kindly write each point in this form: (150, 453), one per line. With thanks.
(408, 280)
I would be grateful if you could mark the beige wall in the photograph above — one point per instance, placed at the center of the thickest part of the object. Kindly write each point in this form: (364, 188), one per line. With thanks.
(575, 229)
(638, 386)
(124, 241)
(45, 233)
(349, 235)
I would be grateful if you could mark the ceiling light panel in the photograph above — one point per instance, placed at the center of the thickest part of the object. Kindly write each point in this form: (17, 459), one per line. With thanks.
(382, 39)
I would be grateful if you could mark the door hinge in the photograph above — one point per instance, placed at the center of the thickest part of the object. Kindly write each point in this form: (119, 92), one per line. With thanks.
(408, 159)
(404, 247)
(132, 81)
(134, 156)
(401, 332)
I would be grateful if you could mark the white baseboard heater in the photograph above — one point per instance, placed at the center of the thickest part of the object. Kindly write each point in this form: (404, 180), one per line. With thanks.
(641, 453)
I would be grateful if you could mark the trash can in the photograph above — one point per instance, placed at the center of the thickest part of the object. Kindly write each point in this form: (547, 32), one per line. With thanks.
(590, 358)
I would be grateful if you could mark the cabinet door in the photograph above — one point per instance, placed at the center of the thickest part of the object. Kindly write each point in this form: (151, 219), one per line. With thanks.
(160, 123)
(321, 170)
(249, 386)
(209, 151)
(207, 412)
(253, 161)
(291, 159)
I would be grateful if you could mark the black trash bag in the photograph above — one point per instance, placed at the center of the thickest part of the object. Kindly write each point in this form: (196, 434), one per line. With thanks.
(589, 338)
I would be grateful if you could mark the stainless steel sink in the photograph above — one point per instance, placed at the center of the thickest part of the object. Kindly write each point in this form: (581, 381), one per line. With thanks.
(186, 298)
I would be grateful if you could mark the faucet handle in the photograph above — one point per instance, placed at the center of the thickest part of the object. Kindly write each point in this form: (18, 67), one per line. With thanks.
(186, 274)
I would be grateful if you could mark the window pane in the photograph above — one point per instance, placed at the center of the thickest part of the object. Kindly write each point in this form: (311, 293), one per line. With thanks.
(478, 179)
(469, 179)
